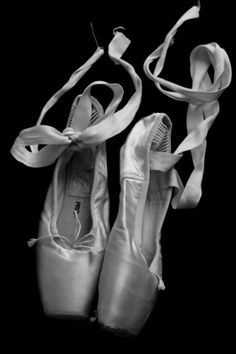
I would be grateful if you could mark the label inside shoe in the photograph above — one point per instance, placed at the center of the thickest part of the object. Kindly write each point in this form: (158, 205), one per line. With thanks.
(81, 186)
(81, 176)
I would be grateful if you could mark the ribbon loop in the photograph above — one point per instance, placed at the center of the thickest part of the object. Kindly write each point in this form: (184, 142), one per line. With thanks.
(80, 131)
(202, 99)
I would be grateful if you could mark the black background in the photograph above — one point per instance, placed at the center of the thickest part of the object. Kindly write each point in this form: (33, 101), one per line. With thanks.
(42, 47)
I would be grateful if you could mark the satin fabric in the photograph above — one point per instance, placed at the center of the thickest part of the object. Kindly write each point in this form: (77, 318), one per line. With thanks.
(80, 132)
(129, 283)
(202, 99)
(68, 272)
(131, 277)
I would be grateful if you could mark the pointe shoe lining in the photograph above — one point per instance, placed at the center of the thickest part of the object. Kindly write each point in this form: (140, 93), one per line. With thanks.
(78, 186)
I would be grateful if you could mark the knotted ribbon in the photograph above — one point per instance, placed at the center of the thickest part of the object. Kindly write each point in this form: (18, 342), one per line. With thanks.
(80, 132)
(202, 98)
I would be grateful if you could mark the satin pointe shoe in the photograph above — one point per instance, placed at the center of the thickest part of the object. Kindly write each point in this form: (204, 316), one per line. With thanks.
(74, 224)
(132, 269)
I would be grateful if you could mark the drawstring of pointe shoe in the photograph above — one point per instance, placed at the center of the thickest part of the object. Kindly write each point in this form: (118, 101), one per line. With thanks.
(202, 99)
(78, 243)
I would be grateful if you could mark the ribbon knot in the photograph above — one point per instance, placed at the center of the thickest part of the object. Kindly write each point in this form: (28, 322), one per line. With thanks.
(68, 131)
(41, 145)
(72, 135)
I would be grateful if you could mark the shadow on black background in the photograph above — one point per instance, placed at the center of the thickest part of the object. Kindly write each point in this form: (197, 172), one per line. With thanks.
(42, 50)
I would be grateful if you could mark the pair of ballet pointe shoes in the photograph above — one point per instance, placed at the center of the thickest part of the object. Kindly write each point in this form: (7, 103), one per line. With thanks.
(124, 263)
(78, 255)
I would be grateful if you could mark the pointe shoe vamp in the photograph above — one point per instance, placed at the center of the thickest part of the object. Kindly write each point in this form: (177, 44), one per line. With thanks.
(67, 278)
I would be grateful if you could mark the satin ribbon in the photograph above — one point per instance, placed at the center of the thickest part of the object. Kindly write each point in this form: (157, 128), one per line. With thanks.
(202, 98)
(80, 133)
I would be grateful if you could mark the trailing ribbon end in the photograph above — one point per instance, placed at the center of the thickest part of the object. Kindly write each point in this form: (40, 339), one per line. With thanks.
(118, 46)
(192, 13)
(161, 285)
(32, 242)
(118, 28)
